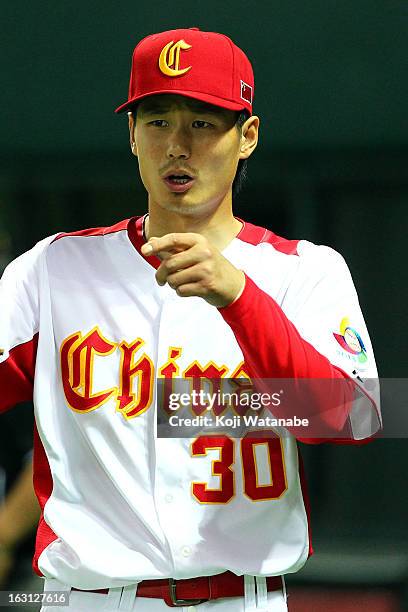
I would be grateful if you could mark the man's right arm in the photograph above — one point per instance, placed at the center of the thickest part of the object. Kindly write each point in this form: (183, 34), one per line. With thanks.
(19, 325)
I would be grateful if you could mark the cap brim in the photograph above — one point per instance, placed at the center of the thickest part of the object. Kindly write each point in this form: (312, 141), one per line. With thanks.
(197, 95)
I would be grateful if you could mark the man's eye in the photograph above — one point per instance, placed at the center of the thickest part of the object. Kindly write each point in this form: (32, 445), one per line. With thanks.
(158, 123)
(201, 124)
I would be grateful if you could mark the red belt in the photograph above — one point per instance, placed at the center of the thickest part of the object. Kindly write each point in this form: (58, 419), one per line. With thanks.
(195, 590)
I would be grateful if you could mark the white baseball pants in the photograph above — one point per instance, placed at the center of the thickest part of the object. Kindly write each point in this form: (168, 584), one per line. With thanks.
(124, 600)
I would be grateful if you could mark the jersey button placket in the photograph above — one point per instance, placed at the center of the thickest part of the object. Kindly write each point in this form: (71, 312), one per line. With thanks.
(170, 486)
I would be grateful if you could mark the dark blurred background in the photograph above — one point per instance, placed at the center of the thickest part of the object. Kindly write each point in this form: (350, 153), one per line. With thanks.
(331, 167)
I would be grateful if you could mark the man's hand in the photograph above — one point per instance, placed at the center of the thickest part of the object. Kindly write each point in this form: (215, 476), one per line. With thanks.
(191, 265)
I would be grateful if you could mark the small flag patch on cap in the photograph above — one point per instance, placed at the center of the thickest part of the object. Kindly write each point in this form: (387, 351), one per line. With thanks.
(246, 92)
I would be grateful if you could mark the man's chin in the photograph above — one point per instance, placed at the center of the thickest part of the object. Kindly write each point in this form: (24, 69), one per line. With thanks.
(184, 205)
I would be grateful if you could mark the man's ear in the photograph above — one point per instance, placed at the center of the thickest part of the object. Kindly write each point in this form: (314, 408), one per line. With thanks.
(249, 137)
(133, 146)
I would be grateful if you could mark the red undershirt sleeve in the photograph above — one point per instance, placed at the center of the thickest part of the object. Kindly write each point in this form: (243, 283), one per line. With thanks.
(273, 348)
(17, 374)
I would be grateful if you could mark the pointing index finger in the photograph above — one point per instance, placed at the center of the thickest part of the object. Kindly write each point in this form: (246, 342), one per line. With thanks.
(170, 243)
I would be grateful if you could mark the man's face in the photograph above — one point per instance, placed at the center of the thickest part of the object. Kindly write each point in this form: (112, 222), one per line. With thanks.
(188, 152)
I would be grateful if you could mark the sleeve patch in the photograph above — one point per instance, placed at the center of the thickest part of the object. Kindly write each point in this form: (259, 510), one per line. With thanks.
(351, 341)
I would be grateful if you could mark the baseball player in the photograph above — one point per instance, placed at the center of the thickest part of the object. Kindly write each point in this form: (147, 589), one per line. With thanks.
(90, 320)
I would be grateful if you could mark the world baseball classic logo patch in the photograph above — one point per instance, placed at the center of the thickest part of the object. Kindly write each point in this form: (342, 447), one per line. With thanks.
(246, 92)
(351, 341)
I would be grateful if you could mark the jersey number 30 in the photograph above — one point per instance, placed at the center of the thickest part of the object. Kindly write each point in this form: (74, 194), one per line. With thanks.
(222, 467)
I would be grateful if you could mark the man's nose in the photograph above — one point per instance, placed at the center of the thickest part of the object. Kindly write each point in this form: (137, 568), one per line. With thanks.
(178, 146)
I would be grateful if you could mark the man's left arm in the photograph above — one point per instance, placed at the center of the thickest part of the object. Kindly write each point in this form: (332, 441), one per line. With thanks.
(309, 344)
(323, 338)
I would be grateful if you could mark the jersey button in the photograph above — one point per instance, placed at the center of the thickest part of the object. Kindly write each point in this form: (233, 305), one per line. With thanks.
(186, 551)
(168, 498)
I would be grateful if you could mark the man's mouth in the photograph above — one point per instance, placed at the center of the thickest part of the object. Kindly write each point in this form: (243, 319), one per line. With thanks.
(179, 182)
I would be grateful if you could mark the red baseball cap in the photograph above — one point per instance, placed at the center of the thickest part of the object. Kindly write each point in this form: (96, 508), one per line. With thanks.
(206, 66)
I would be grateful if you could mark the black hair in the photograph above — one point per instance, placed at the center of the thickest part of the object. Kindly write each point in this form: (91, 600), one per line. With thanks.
(241, 174)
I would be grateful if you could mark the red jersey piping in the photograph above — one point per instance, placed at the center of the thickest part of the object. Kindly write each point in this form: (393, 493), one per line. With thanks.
(96, 231)
(254, 234)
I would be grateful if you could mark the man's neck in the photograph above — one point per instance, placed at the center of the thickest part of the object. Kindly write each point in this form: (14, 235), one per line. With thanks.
(219, 228)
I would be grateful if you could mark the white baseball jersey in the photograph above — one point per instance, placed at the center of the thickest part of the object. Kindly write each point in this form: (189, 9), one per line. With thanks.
(85, 330)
